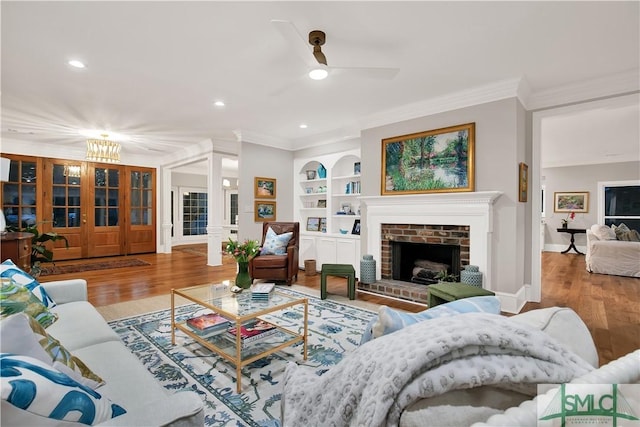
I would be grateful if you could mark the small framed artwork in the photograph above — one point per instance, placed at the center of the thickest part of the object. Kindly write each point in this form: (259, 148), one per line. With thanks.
(313, 223)
(577, 201)
(356, 227)
(523, 182)
(264, 211)
(434, 161)
(323, 224)
(346, 208)
(265, 188)
(356, 168)
(322, 203)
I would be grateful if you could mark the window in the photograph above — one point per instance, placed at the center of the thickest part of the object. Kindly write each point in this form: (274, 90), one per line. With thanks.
(619, 202)
(19, 197)
(194, 213)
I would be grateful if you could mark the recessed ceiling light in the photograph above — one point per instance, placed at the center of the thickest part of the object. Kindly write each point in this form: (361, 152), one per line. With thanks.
(76, 64)
(303, 126)
(219, 103)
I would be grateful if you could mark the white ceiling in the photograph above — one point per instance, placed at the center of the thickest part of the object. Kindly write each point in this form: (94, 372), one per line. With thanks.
(155, 68)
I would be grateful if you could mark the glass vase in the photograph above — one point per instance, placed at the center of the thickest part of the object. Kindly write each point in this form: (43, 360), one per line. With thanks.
(243, 279)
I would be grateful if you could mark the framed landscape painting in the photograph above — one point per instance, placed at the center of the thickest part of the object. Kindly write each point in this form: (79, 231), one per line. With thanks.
(435, 161)
(577, 202)
(264, 211)
(265, 188)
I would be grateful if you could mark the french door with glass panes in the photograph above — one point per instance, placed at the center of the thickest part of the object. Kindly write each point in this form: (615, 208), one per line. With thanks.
(102, 209)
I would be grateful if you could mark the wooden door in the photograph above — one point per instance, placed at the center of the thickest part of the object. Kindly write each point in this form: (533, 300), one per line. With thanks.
(64, 213)
(141, 212)
(105, 221)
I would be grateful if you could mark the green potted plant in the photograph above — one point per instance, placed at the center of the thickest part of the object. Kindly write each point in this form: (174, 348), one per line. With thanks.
(39, 251)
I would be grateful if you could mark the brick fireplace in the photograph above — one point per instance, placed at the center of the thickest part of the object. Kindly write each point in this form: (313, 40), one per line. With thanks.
(447, 244)
(461, 219)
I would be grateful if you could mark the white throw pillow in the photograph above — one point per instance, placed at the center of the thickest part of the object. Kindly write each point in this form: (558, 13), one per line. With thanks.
(603, 232)
(275, 244)
(22, 334)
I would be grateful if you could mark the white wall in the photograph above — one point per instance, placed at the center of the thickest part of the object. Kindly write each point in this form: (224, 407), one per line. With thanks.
(579, 178)
(499, 146)
(259, 160)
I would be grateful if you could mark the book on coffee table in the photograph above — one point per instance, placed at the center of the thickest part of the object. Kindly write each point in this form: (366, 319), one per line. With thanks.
(207, 323)
(262, 291)
(252, 331)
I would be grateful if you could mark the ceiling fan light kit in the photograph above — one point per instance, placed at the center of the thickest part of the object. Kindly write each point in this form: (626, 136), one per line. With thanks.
(318, 73)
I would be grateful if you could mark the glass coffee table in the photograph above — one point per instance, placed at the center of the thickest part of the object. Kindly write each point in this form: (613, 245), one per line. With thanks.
(239, 309)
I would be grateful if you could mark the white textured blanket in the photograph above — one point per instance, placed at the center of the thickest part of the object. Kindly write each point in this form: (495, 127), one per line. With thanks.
(372, 386)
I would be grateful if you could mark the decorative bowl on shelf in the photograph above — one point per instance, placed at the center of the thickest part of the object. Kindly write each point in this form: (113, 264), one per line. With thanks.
(343, 231)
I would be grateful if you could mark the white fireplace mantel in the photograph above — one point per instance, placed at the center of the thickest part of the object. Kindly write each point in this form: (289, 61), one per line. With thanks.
(474, 209)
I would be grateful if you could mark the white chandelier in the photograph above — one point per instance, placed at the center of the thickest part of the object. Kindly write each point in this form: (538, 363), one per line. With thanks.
(103, 150)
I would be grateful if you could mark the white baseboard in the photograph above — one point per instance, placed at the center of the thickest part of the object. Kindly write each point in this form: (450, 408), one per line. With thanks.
(513, 303)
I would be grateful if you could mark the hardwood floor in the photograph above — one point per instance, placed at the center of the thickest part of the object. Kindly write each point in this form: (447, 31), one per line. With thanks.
(609, 305)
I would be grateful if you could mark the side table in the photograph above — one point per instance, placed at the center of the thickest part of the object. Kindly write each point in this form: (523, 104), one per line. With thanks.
(16, 246)
(573, 232)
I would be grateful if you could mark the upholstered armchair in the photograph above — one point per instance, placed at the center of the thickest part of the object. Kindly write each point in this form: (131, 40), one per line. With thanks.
(278, 259)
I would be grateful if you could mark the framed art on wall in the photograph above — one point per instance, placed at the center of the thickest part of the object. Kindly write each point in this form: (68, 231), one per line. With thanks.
(435, 161)
(265, 188)
(577, 201)
(264, 211)
(523, 182)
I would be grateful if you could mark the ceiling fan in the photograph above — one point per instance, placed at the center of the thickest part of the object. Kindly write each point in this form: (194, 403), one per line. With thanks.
(317, 39)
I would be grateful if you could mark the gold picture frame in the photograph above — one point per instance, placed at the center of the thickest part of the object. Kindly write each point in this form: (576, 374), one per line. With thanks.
(523, 182)
(264, 211)
(435, 161)
(264, 188)
(567, 202)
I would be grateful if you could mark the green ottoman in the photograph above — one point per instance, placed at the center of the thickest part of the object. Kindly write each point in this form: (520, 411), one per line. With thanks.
(450, 291)
(340, 270)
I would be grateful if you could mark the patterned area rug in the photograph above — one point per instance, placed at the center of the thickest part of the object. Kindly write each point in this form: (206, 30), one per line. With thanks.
(334, 329)
(103, 265)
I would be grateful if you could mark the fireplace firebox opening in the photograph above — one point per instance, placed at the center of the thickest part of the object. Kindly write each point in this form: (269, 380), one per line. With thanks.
(423, 263)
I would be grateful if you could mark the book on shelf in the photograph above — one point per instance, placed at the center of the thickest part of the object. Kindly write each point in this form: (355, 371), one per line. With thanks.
(253, 330)
(207, 323)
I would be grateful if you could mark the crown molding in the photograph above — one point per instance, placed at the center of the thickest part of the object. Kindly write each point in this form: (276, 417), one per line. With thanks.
(611, 85)
(452, 101)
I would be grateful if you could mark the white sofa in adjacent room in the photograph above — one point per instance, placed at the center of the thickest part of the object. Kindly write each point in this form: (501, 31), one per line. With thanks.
(608, 255)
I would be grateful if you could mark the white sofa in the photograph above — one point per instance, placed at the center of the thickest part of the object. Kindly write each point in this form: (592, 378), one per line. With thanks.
(85, 333)
(483, 405)
(611, 256)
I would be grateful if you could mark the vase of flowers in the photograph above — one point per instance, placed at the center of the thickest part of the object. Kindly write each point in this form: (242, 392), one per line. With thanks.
(570, 217)
(242, 253)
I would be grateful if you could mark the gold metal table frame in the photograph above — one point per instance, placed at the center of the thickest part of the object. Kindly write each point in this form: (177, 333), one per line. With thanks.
(238, 308)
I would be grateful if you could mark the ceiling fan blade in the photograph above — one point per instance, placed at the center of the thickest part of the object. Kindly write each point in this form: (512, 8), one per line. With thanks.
(291, 34)
(380, 73)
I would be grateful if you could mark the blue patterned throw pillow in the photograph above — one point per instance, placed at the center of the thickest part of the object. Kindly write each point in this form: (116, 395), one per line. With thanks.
(33, 386)
(390, 320)
(11, 271)
(275, 244)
